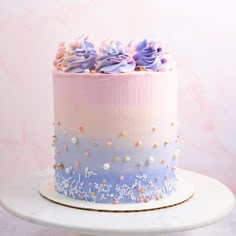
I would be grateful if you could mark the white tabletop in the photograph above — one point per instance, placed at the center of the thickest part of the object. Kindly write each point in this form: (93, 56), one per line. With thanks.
(211, 202)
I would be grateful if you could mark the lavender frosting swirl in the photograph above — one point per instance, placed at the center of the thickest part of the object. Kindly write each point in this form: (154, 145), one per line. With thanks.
(114, 58)
(148, 54)
(80, 55)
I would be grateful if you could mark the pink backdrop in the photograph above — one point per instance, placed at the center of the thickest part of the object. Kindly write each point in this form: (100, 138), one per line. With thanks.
(201, 33)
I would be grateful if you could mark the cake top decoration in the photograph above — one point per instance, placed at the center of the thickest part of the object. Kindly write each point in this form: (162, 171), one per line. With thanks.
(114, 57)
(80, 56)
(148, 55)
(76, 56)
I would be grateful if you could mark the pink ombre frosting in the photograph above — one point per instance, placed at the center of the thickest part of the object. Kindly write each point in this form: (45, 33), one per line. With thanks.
(107, 104)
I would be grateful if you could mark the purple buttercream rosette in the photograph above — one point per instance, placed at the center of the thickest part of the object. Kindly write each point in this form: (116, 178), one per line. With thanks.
(80, 56)
(114, 57)
(148, 55)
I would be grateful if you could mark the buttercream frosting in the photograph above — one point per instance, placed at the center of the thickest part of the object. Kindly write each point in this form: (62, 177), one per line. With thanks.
(76, 56)
(148, 54)
(114, 57)
(80, 55)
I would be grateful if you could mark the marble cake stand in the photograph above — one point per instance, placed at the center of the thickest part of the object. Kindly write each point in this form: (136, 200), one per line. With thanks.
(211, 201)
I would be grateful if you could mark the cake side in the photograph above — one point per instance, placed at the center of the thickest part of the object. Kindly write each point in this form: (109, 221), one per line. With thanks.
(115, 135)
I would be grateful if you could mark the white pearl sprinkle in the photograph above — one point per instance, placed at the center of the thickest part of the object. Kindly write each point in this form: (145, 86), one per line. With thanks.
(67, 170)
(86, 71)
(74, 140)
(127, 158)
(177, 152)
(106, 166)
(151, 159)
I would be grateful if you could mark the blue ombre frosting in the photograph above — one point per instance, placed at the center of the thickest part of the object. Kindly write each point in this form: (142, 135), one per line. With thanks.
(148, 54)
(80, 55)
(131, 180)
(114, 57)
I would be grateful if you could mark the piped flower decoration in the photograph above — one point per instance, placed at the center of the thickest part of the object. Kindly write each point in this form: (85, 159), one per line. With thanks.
(76, 56)
(148, 55)
(114, 57)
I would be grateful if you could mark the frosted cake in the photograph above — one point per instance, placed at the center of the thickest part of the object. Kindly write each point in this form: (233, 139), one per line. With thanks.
(115, 111)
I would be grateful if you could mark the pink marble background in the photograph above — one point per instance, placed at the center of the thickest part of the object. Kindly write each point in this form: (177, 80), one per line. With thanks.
(201, 33)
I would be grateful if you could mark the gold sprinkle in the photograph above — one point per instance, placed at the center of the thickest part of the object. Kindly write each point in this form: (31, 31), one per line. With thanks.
(104, 181)
(123, 133)
(116, 158)
(93, 194)
(142, 68)
(127, 158)
(155, 145)
(60, 166)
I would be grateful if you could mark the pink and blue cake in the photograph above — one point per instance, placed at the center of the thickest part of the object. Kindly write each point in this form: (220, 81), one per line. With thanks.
(115, 111)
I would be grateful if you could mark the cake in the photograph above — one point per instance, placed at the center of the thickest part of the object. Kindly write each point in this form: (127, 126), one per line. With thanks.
(115, 121)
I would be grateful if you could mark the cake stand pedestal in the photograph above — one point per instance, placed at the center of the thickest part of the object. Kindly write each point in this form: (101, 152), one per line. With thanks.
(211, 202)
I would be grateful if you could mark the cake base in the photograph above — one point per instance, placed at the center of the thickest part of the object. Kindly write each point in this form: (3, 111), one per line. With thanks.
(184, 191)
(211, 202)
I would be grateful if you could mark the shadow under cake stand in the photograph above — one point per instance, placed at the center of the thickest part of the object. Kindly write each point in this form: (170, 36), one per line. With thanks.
(211, 202)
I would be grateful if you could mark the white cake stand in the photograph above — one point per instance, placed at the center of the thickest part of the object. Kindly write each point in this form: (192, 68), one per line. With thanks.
(211, 202)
